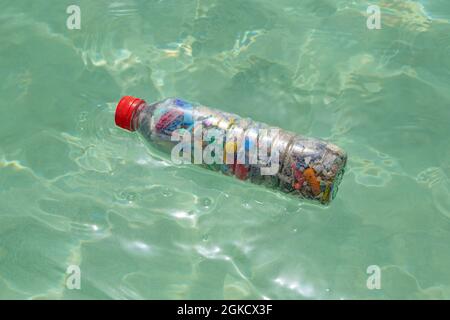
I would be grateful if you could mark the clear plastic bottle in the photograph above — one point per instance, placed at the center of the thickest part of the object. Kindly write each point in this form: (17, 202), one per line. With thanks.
(306, 167)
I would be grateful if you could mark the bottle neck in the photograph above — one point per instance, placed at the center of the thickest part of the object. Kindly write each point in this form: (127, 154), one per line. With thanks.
(127, 112)
(135, 118)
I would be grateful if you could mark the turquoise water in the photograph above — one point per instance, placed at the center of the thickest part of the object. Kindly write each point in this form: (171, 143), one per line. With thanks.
(76, 190)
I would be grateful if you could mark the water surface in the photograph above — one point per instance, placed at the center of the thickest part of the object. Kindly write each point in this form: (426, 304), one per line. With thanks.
(76, 190)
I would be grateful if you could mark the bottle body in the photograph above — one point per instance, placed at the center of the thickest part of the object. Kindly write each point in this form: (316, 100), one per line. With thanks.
(240, 147)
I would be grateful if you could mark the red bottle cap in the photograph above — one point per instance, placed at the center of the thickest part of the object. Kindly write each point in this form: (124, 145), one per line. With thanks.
(125, 110)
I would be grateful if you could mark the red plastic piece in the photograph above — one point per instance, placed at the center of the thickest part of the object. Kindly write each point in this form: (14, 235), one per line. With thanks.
(125, 110)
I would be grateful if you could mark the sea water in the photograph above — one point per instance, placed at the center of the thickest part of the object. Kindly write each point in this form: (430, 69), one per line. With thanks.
(89, 211)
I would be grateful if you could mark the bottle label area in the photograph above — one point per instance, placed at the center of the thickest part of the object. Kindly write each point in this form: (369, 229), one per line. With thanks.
(240, 147)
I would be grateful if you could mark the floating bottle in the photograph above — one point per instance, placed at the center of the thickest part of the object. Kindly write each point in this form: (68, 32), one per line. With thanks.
(305, 167)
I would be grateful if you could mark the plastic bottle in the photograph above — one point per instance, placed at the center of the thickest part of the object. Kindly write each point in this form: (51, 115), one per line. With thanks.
(306, 167)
